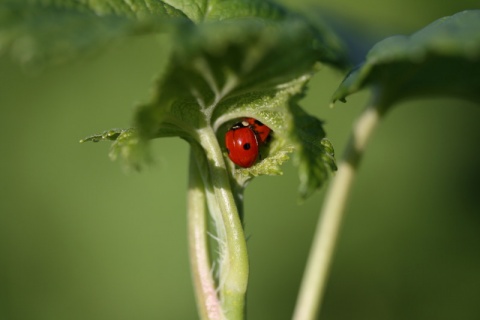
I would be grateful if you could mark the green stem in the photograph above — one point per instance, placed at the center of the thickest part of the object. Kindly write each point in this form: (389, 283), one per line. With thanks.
(326, 234)
(233, 266)
(206, 296)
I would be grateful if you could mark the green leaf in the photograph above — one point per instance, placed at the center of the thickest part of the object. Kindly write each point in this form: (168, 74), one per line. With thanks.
(39, 33)
(223, 71)
(443, 59)
(48, 31)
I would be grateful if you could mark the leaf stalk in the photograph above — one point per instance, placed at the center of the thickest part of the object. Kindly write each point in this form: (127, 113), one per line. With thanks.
(323, 245)
(208, 303)
(233, 257)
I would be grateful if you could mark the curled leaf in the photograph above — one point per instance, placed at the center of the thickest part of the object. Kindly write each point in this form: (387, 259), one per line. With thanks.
(223, 71)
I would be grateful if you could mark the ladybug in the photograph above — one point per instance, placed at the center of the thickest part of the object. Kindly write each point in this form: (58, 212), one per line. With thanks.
(262, 131)
(243, 141)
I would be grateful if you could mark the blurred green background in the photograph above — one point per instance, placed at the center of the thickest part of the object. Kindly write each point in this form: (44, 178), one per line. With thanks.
(82, 239)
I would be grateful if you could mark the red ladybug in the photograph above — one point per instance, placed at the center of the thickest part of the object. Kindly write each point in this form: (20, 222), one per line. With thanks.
(243, 140)
(262, 131)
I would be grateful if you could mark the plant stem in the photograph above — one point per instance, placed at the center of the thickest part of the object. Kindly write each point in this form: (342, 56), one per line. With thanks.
(233, 266)
(206, 296)
(326, 234)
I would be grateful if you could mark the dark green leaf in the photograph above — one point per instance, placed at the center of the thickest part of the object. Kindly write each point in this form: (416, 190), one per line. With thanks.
(443, 59)
(36, 34)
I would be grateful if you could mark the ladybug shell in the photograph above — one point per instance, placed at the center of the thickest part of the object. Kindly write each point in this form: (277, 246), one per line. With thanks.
(242, 146)
(260, 129)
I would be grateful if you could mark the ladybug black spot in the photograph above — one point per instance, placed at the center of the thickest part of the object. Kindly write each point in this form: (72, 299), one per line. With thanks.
(258, 122)
(246, 146)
